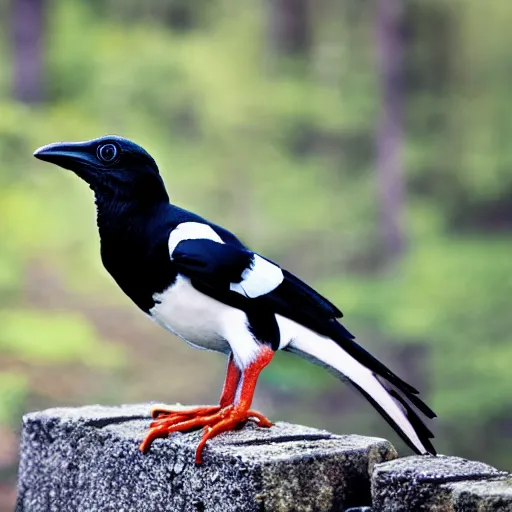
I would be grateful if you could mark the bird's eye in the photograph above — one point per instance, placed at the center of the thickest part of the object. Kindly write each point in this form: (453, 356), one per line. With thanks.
(107, 153)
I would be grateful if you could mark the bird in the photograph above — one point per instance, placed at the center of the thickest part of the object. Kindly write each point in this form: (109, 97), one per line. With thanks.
(200, 282)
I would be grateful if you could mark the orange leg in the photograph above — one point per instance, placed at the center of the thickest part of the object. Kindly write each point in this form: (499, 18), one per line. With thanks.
(217, 419)
(233, 375)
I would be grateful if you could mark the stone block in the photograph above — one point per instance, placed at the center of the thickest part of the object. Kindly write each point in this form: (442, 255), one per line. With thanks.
(440, 484)
(87, 459)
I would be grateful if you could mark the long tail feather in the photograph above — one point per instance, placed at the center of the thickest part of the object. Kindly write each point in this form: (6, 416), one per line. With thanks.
(392, 397)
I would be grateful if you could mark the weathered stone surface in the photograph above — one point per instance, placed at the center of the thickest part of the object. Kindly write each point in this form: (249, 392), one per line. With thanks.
(87, 459)
(440, 484)
(481, 496)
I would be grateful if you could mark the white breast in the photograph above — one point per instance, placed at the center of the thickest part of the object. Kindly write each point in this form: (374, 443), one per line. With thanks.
(204, 322)
(191, 315)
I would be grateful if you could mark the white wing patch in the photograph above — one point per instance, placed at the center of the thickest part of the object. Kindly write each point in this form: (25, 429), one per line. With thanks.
(191, 231)
(260, 279)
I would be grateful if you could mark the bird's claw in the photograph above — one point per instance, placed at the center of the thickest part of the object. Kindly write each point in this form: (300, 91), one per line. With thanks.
(158, 413)
(214, 419)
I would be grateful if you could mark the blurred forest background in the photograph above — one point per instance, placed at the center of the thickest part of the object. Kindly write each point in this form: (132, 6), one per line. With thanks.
(363, 144)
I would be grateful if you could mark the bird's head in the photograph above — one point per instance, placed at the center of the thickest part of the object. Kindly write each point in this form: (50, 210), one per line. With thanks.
(112, 166)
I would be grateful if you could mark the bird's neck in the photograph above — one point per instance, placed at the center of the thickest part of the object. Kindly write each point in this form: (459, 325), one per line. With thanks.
(122, 210)
(121, 218)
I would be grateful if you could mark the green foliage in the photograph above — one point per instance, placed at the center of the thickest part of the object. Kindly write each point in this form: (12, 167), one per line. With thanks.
(288, 373)
(13, 393)
(54, 338)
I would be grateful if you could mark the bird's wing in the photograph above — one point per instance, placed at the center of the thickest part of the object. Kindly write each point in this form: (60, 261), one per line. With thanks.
(239, 276)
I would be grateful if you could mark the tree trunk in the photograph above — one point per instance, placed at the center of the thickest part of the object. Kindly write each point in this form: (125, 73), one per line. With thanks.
(289, 27)
(389, 30)
(27, 31)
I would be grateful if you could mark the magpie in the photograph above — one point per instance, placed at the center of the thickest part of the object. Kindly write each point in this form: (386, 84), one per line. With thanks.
(200, 282)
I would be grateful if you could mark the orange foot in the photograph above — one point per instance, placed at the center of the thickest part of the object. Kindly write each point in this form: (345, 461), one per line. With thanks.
(179, 415)
(214, 419)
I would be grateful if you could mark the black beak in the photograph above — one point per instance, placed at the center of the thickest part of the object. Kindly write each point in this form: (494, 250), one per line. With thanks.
(69, 155)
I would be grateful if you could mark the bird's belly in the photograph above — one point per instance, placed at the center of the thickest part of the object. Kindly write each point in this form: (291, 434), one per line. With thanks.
(192, 315)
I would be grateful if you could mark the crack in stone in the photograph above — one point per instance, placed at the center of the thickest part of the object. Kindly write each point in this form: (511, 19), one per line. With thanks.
(282, 439)
(105, 422)
(462, 478)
